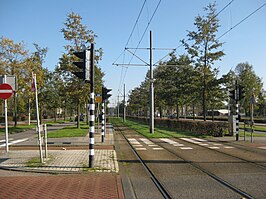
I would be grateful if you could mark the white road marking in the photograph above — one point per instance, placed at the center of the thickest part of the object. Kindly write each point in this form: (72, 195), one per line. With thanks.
(141, 149)
(157, 148)
(229, 147)
(174, 143)
(190, 140)
(200, 140)
(14, 142)
(203, 144)
(186, 148)
(214, 147)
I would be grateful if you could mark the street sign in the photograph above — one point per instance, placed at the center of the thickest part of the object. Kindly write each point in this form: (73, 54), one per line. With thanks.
(98, 99)
(6, 91)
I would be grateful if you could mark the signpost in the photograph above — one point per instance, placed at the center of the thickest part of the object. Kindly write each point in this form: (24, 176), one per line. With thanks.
(6, 92)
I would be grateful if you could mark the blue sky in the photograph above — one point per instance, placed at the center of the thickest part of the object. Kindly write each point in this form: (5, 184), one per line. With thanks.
(40, 21)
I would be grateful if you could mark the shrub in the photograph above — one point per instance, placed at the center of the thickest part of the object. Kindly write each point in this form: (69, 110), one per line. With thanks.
(216, 129)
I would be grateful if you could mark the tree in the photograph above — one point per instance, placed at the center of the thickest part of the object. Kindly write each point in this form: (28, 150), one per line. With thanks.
(78, 37)
(202, 46)
(251, 82)
(13, 62)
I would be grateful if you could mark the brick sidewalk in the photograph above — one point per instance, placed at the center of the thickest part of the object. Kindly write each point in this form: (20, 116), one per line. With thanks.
(92, 185)
(60, 161)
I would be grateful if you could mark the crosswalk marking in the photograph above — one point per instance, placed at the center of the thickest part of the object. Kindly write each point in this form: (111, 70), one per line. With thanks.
(159, 148)
(141, 149)
(210, 145)
(186, 148)
(14, 142)
(174, 143)
(139, 146)
(214, 147)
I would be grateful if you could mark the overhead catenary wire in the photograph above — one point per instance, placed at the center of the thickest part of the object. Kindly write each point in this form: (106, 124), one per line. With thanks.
(123, 52)
(148, 24)
(228, 4)
(144, 33)
(244, 19)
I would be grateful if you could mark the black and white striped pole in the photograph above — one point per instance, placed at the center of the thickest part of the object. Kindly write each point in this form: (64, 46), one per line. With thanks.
(103, 121)
(237, 120)
(92, 109)
(237, 111)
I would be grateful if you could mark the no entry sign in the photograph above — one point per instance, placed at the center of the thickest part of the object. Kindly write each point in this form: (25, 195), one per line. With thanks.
(6, 91)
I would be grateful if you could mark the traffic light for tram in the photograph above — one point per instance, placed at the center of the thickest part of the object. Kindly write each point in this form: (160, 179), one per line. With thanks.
(241, 91)
(232, 94)
(105, 94)
(83, 64)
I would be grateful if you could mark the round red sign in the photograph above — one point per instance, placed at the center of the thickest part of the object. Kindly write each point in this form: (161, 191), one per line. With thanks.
(6, 91)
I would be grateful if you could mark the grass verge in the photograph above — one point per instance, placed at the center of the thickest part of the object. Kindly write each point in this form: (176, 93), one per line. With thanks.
(70, 131)
(17, 129)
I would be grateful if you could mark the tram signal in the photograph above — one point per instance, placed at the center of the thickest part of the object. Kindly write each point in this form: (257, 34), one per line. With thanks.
(83, 64)
(105, 94)
(241, 92)
(232, 94)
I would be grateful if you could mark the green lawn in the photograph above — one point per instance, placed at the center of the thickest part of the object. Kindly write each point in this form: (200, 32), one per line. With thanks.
(259, 128)
(70, 131)
(17, 129)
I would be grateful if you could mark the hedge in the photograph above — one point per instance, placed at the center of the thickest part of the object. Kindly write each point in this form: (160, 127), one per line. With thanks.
(216, 129)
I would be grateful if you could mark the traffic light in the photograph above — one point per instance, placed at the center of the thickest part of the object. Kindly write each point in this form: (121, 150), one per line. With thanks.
(105, 94)
(232, 94)
(84, 64)
(241, 91)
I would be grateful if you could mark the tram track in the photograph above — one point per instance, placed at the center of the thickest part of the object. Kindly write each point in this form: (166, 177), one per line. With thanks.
(234, 156)
(210, 174)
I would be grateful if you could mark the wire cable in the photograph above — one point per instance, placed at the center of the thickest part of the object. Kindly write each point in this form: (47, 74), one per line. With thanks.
(186, 40)
(135, 23)
(242, 20)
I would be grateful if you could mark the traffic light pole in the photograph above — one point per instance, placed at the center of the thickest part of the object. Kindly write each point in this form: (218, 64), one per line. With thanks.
(92, 109)
(103, 121)
(237, 120)
(237, 111)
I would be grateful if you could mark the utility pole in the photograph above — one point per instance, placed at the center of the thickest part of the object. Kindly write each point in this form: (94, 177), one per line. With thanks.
(151, 90)
(118, 105)
(124, 113)
(151, 117)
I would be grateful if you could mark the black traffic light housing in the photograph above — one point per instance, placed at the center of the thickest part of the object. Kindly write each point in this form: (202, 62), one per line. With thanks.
(105, 94)
(232, 94)
(84, 64)
(241, 92)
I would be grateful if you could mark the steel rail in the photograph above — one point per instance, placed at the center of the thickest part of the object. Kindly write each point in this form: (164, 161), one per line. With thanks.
(224, 153)
(210, 174)
(157, 183)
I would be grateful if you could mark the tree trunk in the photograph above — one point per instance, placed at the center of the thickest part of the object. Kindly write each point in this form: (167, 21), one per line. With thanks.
(177, 112)
(193, 111)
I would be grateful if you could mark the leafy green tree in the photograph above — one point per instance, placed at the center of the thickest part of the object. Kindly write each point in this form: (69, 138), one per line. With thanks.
(202, 46)
(13, 62)
(252, 83)
(78, 37)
